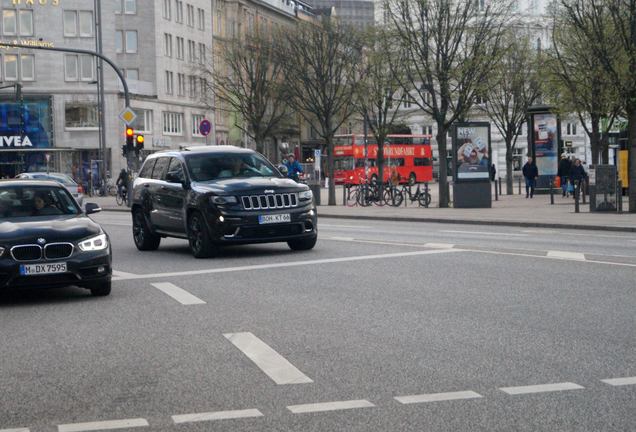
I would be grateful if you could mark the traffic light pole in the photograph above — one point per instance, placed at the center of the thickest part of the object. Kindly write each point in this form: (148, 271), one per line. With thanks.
(120, 75)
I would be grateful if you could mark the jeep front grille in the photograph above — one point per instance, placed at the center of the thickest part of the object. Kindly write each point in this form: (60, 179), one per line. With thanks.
(273, 201)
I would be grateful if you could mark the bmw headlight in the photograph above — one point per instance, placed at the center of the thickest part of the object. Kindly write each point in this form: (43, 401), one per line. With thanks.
(94, 243)
(305, 195)
(223, 200)
(1, 251)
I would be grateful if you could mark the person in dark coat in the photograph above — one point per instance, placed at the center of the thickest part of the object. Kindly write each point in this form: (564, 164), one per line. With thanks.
(564, 171)
(493, 172)
(577, 174)
(530, 173)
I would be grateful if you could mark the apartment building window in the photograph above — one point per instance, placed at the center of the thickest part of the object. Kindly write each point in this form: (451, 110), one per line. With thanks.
(180, 48)
(192, 51)
(190, 17)
(80, 115)
(172, 123)
(143, 122)
(570, 129)
(130, 6)
(17, 22)
(71, 68)
(27, 67)
(169, 82)
(131, 41)
(78, 68)
(132, 74)
(196, 121)
(427, 130)
(19, 67)
(201, 13)
(179, 8)
(86, 23)
(193, 86)
(181, 84)
(70, 23)
(119, 42)
(10, 67)
(167, 9)
(202, 55)
(167, 44)
(204, 87)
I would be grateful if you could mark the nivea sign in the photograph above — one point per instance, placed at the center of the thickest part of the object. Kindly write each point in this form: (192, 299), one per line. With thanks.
(15, 141)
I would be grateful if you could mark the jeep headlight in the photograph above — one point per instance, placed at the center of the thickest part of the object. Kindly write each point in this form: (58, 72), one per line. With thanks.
(223, 200)
(305, 195)
(94, 243)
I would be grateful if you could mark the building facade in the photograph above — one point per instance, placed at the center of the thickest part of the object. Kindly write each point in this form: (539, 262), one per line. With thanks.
(49, 110)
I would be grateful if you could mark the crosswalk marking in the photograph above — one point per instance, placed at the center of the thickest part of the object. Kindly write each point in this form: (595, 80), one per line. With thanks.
(269, 361)
(577, 256)
(330, 406)
(15, 430)
(437, 397)
(541, 388)
(217, 415)
(180, 295)
(620, 381)
(103, 425)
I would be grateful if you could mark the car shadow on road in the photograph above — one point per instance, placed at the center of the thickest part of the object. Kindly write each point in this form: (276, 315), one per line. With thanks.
(31, 296)
(231, 252)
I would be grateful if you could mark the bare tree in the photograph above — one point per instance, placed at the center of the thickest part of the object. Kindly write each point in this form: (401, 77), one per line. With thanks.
(380, 94)
(321, 63)
(450, 48)
(613, 41)
(579, 83)
(511, 89)
(248, 81)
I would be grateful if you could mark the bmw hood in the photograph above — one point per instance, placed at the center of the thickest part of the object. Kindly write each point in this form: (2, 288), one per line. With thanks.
(52, 229)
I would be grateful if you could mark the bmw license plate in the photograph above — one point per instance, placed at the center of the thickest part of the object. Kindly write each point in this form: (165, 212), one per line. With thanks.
(40, 269)
(275, 218)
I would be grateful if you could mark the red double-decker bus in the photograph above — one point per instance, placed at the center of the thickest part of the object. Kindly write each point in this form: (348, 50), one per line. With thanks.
(408, 155)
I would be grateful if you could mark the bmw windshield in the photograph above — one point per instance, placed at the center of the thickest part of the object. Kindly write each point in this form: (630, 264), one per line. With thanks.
(33, 201)
(208, 167)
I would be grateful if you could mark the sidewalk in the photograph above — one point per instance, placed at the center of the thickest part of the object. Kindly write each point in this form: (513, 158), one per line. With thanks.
(510, 210)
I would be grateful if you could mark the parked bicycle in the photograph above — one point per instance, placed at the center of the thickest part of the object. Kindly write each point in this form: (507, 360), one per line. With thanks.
(422, 197)
(372, 194)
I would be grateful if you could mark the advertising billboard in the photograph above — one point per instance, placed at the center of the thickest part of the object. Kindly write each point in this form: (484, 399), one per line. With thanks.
(546, 143)
(471, 143)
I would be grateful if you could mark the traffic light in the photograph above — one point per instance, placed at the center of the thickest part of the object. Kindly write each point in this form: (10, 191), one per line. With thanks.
(139, 144)
(130, 139)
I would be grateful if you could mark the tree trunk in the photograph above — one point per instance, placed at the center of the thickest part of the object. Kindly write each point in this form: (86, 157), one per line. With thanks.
(380, 162)
(443, 172)
(595, 139)
(605, 148)
(509, 185)
(631, 118)
(330, 170)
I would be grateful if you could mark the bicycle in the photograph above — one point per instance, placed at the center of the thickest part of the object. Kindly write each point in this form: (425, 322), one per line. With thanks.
(371, 194)
(423, 198)
(122, 196)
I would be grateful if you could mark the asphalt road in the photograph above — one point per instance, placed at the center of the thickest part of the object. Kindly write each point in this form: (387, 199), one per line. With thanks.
(382, 327)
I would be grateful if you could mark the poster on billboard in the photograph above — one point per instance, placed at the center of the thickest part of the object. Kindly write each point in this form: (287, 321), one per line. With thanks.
(546, 141)
(471, 151)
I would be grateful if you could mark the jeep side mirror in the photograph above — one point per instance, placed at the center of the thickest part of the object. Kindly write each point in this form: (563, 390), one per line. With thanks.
(91, 208)
(283, 169)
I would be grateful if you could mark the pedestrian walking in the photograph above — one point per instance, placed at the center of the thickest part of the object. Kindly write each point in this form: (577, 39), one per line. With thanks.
(577, 174)
(530, 173)
(493, 172)
(563, 172)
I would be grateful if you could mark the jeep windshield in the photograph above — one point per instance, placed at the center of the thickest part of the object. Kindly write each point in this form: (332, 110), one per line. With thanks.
(207, 167)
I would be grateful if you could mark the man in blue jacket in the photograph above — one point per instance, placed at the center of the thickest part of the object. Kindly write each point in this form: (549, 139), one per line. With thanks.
(530, 173)
(293, 167)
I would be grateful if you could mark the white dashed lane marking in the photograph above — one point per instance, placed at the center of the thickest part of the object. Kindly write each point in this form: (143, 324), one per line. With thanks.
(180, 295)
(330, 406)
(437, 397)
(15, 430)
(620, 381)
(486, 233)
(103, 425)
(269, 361)
(541, 388)
(217, 415)
(577, 256)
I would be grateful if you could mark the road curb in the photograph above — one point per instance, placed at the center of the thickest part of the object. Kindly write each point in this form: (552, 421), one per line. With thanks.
(484, 222)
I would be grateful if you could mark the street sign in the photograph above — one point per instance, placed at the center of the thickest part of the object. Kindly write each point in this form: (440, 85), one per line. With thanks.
(205, 127)
(127, 116)
(317, 156)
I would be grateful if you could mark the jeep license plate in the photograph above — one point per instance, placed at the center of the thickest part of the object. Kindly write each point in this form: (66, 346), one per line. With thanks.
(275, 218)
(40, 269)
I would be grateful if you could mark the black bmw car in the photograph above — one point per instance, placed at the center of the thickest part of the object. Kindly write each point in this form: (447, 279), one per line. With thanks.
(47, 241)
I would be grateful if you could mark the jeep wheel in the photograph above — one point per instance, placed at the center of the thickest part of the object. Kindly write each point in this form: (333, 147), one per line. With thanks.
(144, 238)
(302, 244)
(199, 237)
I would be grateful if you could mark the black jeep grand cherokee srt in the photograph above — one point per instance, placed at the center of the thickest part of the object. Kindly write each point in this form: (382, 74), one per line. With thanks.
(219, 195)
